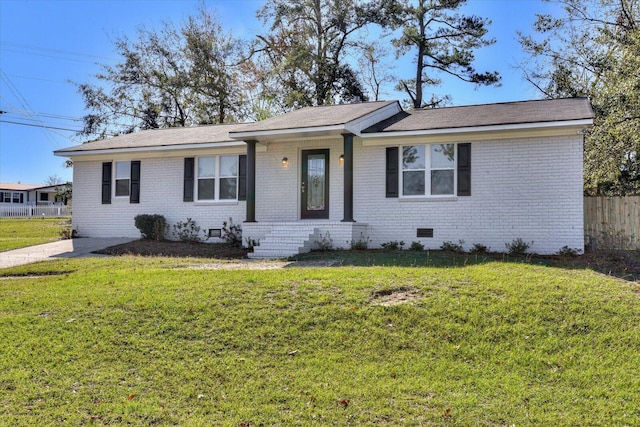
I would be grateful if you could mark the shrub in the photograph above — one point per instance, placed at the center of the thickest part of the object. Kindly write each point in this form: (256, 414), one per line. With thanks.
(324, 243)
(566, 251)
(151, 227)
(67, 232)
(232, 233)
(362, 244)
(393, 245)
(188, 231)
(518, 246)
(479, 248)
(416, 246)
(453, 247)
(251, 243)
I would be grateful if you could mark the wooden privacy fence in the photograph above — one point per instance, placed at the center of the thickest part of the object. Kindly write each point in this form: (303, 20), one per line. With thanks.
(612, 222)
(27, 211)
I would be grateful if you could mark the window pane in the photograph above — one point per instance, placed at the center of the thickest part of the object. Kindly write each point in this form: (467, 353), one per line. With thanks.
(206, 167)
(16, 197)
(442, 156)
(206, 189)
(413, 157)
(123, 169)
(413, 183)
(441, 182)
(228, 188)
(228, 165)
(122, 187)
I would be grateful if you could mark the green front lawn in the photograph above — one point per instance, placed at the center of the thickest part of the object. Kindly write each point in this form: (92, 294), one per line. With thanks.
(22, 232)
(144, 341)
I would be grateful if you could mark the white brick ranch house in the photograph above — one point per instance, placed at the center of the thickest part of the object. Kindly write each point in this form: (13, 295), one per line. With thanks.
(484, 174)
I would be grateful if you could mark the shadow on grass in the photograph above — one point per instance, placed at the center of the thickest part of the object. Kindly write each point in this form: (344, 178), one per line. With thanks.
(622, 264)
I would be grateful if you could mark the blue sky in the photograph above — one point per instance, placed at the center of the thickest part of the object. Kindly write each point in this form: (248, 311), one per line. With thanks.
(45, 44)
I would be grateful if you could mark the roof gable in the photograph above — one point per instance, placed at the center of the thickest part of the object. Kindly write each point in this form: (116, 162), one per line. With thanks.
(325, 115)
(319, 121)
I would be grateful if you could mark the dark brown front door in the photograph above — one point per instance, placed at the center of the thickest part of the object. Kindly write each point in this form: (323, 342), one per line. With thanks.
(314, 187)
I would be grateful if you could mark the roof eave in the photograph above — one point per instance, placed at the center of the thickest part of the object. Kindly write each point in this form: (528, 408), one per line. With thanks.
(481, 129)
(278, 134)
(168, 147)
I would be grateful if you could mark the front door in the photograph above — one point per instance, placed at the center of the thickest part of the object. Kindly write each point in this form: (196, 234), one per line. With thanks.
(314, 186)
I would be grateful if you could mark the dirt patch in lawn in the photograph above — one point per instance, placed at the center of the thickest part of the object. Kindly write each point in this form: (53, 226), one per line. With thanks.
(390, 297)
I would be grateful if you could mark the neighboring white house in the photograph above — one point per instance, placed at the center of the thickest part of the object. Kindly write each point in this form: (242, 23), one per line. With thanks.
(484, 174)
(29, 194)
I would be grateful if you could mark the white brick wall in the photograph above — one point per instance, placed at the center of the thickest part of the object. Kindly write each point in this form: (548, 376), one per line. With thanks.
(521, 188)
(161, 188)
(278, 187)
(529, 188)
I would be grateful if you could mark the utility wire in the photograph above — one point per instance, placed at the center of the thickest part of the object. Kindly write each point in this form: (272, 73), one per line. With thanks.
(43, 126)
(25, 105)
(47, 49)
(46, 115)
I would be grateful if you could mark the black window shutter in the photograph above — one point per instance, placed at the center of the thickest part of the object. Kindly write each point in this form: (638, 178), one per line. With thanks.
(106, 183)
(21, 197)
(189, 169)
(134, 197)
(392, 177)
(464, 169)
(242, 177)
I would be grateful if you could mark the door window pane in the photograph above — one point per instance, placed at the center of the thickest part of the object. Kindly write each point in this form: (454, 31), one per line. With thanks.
(316, 177)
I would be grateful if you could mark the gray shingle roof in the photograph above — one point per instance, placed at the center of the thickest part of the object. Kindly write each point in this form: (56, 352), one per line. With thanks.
(336, 115)
(326, 115)
(550, 110)
(162, 137)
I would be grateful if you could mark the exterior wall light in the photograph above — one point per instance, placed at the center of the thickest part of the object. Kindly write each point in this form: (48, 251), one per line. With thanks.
(285, 162)
(342, 159)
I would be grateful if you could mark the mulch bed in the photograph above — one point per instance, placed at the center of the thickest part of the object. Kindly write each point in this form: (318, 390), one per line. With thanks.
(622, 264)
(177, 249)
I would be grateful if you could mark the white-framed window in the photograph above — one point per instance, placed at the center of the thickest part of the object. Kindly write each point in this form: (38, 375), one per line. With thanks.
(16, 198)
(217, 178)
(122, 178)
(428, 170)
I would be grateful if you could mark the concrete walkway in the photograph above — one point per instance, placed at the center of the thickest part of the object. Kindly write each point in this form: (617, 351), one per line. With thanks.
(71, 248)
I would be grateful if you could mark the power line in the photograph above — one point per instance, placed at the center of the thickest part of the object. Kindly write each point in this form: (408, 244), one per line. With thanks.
(42, 126)
(51, 56)
(45, 115)
(58, 51)
(38, 78)
(25, 104)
